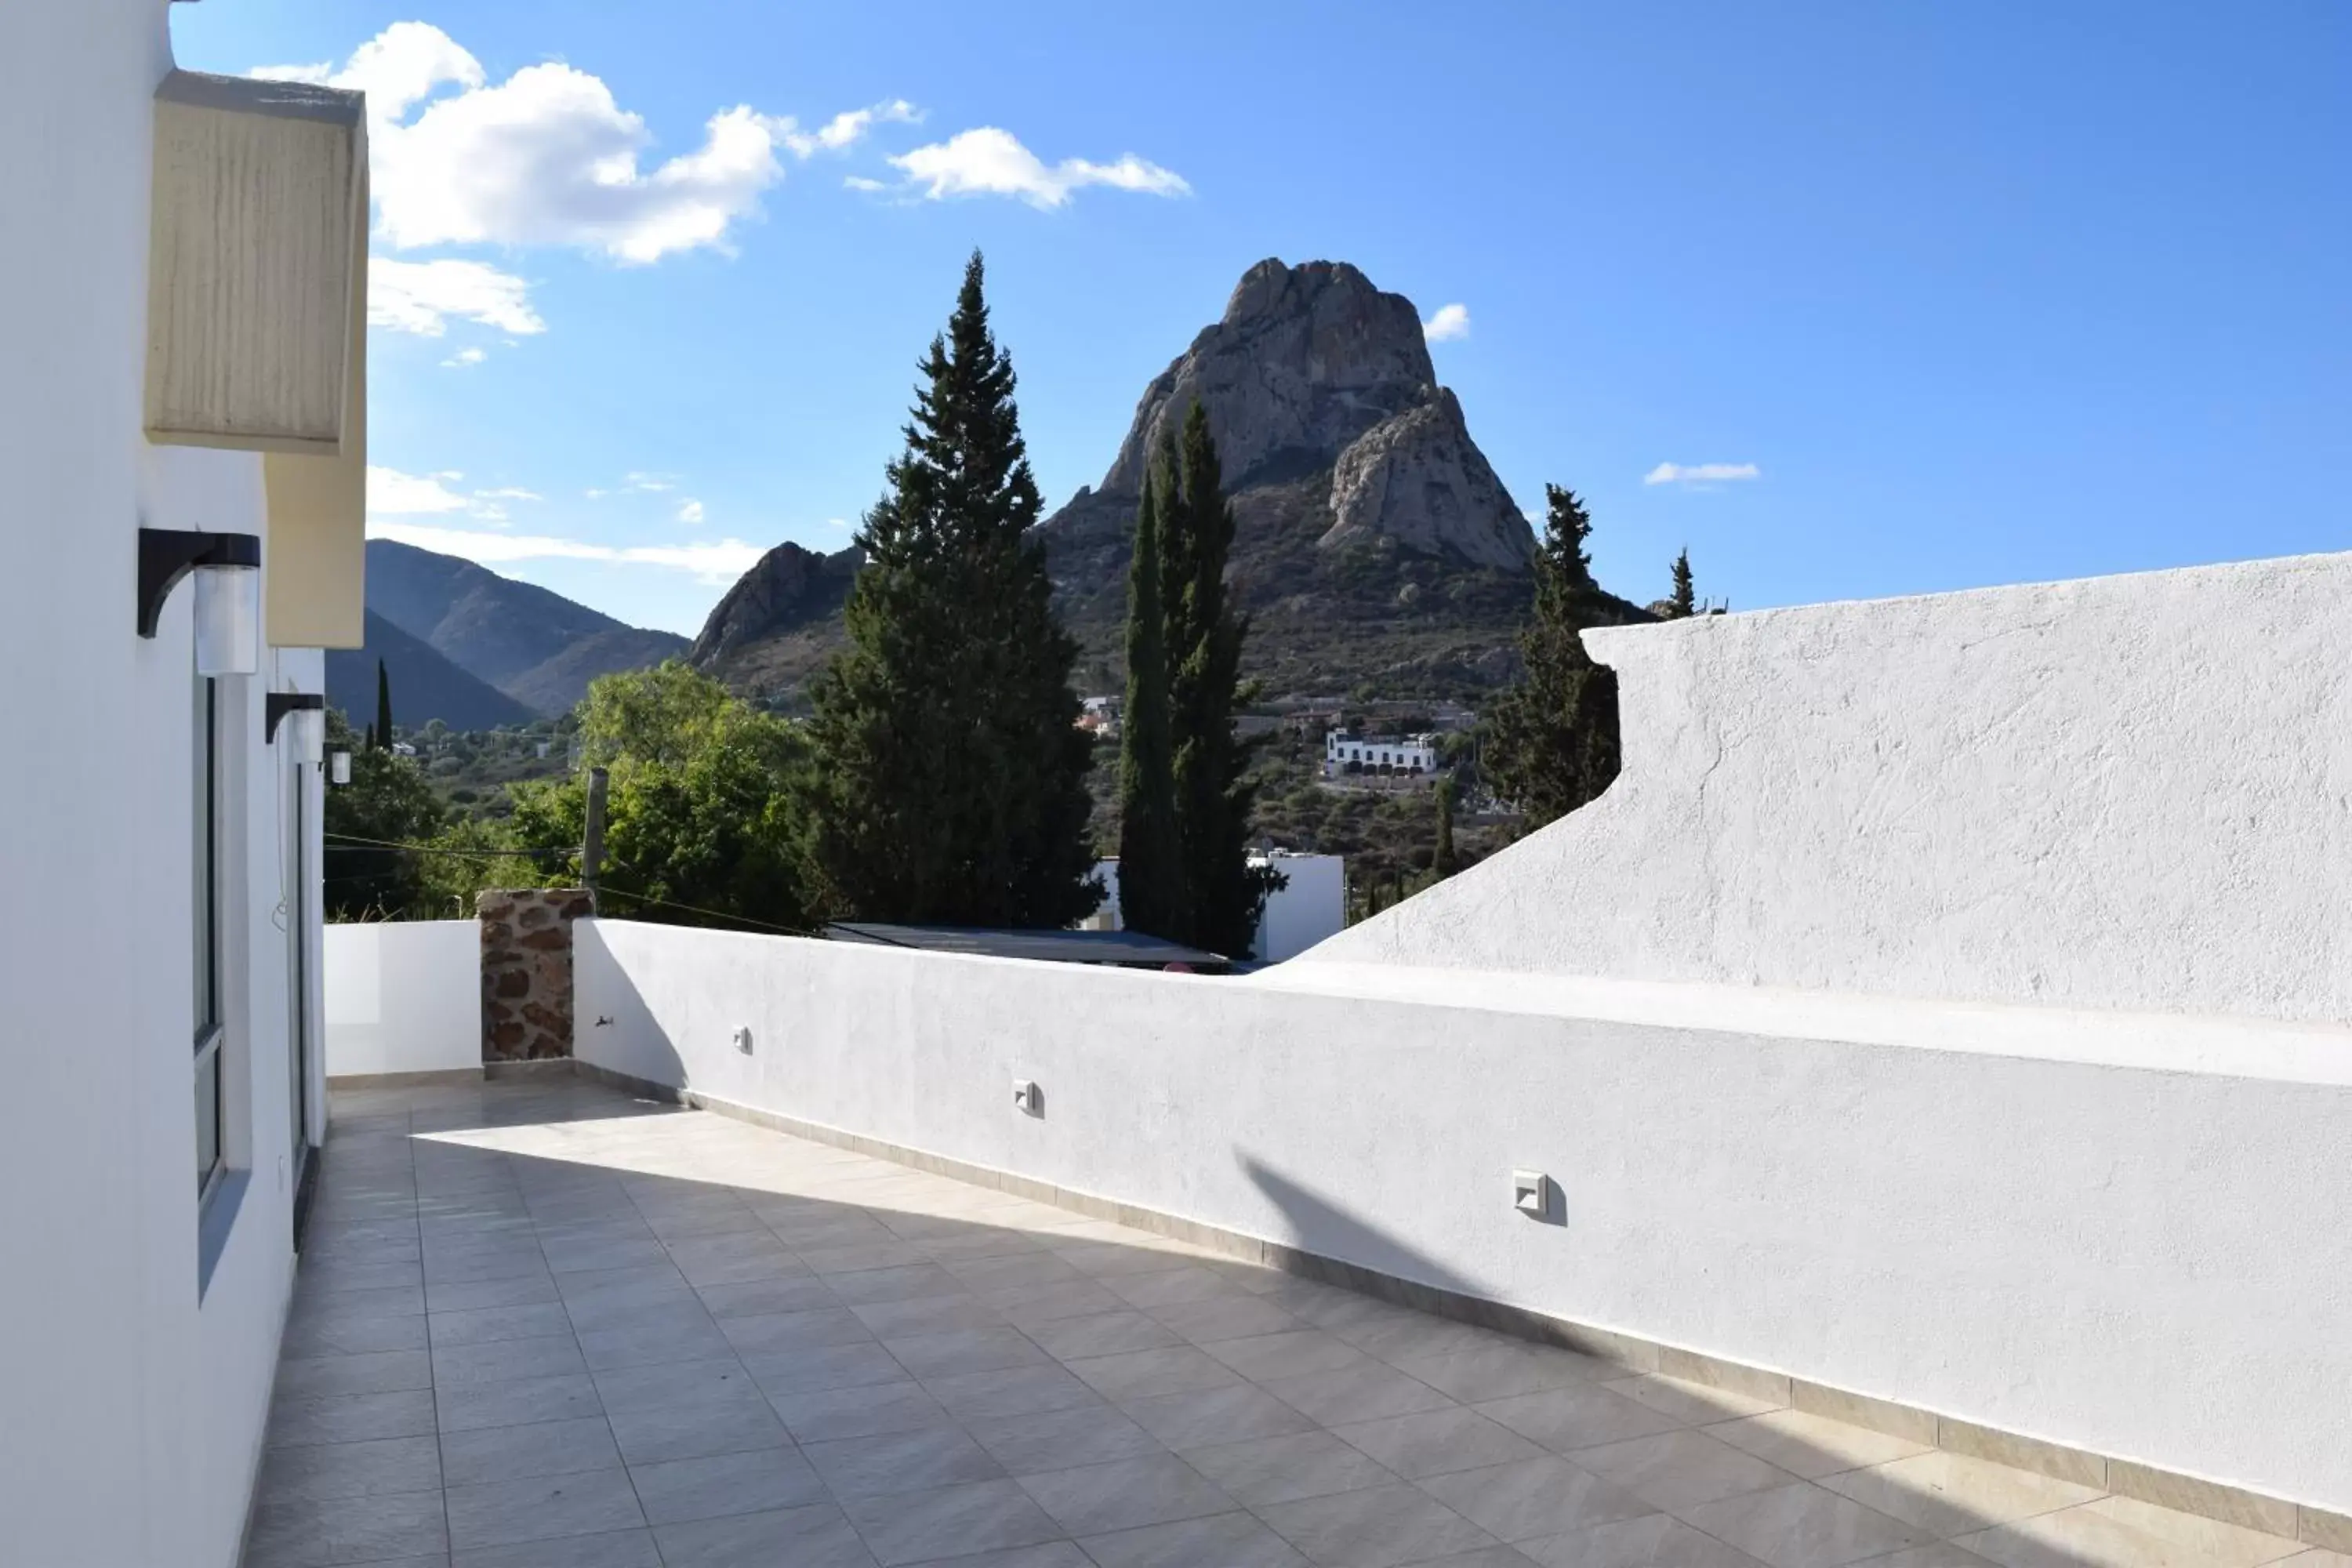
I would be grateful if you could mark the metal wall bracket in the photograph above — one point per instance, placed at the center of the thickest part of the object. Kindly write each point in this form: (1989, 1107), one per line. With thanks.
(168, 554)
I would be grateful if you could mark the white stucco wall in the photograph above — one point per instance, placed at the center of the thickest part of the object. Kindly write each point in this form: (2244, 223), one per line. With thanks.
(132, 1411)
(2110, 1245)
(403, 996)
(2124, 792)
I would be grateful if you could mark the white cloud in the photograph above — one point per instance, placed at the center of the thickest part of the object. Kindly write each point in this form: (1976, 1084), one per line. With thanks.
(317, 76)
(421, 296)
(1700, 473)
(845, 130)
(1451, 322)
(719, 562)
(841, 523)
(545, 157)
(690, 511)
(990, 161)
(508, 492)
(656, 483)
(407, 495)
(594, 495)
(465, 357)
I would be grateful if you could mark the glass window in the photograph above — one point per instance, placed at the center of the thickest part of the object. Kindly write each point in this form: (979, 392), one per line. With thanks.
(207, 923)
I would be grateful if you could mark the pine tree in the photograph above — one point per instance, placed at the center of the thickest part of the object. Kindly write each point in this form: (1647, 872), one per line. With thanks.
(1151, 856)
(1444, 861)
(951, 775)
(382, 708)
(1682, 602)
(1554, 735)
(1205, 653)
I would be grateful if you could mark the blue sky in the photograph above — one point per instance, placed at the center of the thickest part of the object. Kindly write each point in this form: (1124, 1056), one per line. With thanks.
(1962, 294)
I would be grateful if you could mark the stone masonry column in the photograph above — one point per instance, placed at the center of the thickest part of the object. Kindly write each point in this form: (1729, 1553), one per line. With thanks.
(527, 971)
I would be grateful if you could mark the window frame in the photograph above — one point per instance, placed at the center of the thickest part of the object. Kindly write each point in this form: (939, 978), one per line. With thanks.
(210, 1027)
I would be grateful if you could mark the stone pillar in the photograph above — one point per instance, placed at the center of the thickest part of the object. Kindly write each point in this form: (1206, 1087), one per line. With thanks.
(527, 971)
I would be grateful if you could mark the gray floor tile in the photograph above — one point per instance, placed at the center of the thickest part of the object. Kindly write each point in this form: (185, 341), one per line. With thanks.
(964, 1350)
(351, 1418)
(814, 1537)
(924, 1458)
(1188, 1282)
(335, 1334)
(697, 1430)
(1026, 1306)
(544, 1508)
(1435, 1441)
(1379, 1528)
(1053, 1554)
(505, 1361)
(759, 1481)
(1206, 1416)
(1547, 1495)
(860, 1412)
(775, 1333)
(1126, 1493)
(1678, 1471)
(487, 1325)
(824, 1367)
(1235, 1317)
(623, 1549)
(925, 1315)
(1285, 1470)
(1654, 1541)
(1578, 1417)
(1225, 1541)
(381, 1371)
(460, 1296)
(350, 1469)
(1099, 1333)
(312, 1534)
(1009, 1390)
(689, 1335)
(764, 1297)
(1803, 1526)
(1293, 1354)
(1367, 1392)
(671, 1385)
(520, 1403)
(396, 1301)
(908, 1527)
(916, 1279)
(1139, 1374)
(1501, 1370)
(1063, 1439)
(525, 1452)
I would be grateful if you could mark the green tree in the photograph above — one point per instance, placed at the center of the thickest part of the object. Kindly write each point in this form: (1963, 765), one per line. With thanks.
(703, 811)
(1682, 602)
(1204, 652)
(382, 731)
(952, 773)
(1443, 861)
(387, 803)
(1554, 735)
(1150, 854)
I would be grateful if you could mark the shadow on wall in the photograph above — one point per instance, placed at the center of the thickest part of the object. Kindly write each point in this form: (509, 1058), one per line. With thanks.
(1321, 1226)
(786, 1285)
(612, 1025)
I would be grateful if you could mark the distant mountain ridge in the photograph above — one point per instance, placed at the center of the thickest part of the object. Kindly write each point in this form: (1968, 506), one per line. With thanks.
(1374, 546)
(536, 647)
(425, 685)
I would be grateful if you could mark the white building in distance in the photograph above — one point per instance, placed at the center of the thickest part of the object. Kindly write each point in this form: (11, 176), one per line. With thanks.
(1346, 752)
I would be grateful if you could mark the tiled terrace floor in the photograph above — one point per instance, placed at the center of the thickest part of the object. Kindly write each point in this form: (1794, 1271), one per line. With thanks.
(543, 1326)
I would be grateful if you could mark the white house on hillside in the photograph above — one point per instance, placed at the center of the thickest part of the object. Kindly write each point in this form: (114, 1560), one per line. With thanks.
(181, 427)
(1344, 751)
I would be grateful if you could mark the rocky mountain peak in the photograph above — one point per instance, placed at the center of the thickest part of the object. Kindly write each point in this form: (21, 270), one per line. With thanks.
(786, 590)
(1305, 360)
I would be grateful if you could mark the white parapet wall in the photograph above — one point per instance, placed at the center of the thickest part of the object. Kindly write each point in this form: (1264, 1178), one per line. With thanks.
(403, 996)
(2123, 1233)
(2128, 792)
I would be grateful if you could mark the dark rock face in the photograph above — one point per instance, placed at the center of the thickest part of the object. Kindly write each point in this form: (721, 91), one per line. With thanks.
(790, 596)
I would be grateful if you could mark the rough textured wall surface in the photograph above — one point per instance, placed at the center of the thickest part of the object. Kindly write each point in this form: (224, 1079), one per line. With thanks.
(2121, 791)
(527, 971)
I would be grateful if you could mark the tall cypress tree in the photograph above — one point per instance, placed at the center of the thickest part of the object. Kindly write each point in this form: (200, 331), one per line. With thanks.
(382, 708)
(951, 775)
(1682, 602)
(1151, 856)
(1204, 654)
(1554, 735)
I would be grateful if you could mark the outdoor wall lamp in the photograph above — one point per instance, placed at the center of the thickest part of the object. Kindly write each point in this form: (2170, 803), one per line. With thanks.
(339, 768)
(307, 732)
(227, 568)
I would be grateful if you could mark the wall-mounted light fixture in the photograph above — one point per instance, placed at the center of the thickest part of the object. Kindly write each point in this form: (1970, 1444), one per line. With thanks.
(227, 568)
(339, 768)
(304, 714)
